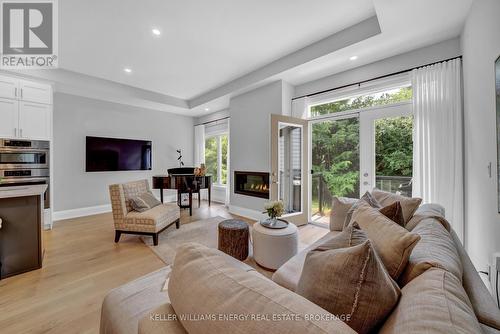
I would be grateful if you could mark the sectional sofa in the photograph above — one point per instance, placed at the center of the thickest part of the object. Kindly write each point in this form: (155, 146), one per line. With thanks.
(447, 295)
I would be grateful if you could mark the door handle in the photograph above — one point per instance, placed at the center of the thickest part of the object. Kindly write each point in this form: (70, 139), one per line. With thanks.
(21, 93)
(15, 92)
(15, 132)
(20, 132)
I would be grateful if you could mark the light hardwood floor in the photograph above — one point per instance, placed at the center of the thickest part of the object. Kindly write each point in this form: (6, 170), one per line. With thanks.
(81, 264)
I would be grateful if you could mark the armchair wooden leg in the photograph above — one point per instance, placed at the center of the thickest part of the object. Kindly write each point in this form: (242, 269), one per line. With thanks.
(155, 239)
(177, 223)
(117, 235)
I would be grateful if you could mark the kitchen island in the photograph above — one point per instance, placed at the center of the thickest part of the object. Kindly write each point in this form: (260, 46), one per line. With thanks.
(21, 228)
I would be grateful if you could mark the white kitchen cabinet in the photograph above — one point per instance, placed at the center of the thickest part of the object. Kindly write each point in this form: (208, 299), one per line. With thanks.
(9, 87)
(34, 120)
(9, 118)
(35, 92)
(25, 109)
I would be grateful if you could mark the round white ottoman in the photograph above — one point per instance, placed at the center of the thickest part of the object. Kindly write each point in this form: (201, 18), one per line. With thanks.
(273, 247)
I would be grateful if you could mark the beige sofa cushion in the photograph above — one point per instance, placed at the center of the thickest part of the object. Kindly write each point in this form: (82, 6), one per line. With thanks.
(288, 274)
(408, 204)
(202, 283)
(435, 249)
(392, 242)
(434, 302)
(428, 211)
(161, 320)
(340, 208)
(345, 277)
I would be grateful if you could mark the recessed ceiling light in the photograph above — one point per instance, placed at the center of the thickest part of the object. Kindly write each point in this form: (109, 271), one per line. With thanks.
(207, 109)
(156, 32)
(353, 58)
(127, 70)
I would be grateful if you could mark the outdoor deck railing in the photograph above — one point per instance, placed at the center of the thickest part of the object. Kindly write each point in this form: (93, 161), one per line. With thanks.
(322, 198)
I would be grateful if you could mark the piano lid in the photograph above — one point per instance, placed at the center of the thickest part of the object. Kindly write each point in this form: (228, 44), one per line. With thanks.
(181, 171)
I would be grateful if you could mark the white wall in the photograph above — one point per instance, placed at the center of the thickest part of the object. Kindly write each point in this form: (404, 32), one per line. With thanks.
(76, 117)
(250, 135)
(481, 46)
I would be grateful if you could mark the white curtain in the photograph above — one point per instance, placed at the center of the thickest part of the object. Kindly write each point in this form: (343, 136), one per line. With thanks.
(228, 179)
(437, 147)
(199, 145)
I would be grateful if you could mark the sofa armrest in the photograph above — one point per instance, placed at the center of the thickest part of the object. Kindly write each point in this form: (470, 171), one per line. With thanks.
(161, 320)
(124, 306)
(482, 301)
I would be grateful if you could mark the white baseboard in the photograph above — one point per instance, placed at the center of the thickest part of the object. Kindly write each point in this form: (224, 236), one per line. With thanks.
(81, 212)
(247, 213)
(93, 210)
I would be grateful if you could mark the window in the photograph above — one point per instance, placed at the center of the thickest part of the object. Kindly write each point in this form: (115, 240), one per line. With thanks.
(396, 95)
(359, 142)
(216, 158)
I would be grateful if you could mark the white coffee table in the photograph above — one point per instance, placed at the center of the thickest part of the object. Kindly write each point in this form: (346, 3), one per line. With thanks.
(273, 247)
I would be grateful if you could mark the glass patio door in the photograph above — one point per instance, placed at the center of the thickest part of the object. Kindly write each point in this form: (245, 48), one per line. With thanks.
(335, 162)
(386, 149)
(354, 153)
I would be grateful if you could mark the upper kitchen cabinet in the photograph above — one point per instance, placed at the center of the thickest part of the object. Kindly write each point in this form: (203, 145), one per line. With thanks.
(35, 92)
(24, 90)
(9, 118)
(25, 109)
(34, 120)
(9, 87)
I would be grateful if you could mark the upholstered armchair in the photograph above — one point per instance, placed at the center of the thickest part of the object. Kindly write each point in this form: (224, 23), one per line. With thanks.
(151, 222)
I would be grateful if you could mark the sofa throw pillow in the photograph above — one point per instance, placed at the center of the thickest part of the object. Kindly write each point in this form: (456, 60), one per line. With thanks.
(392, 242)
(340, 207)
(392, 211)
(408, 204)
(144, 202)
(346, 277)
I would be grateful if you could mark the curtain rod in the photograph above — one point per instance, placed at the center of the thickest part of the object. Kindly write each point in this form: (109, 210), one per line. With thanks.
(376, 78)
(215, 120)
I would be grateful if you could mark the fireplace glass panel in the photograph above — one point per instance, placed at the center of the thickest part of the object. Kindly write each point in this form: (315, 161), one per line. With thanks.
(252, 184)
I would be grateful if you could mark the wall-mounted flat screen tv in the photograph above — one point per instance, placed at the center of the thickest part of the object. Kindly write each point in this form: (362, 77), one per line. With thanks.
(114, 154)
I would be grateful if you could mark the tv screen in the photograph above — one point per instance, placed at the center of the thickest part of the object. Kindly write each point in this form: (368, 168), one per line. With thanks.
(113, 154)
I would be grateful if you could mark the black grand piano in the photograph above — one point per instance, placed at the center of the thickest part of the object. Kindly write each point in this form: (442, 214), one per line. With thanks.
(184, 180)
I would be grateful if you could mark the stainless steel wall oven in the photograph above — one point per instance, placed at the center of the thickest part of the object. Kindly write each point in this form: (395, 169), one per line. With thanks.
(25, 162)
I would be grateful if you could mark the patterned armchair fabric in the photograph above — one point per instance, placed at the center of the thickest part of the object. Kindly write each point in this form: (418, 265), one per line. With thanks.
(151, 221)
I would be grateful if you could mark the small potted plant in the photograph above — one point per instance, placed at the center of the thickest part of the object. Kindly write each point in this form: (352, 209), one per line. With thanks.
(274, 209)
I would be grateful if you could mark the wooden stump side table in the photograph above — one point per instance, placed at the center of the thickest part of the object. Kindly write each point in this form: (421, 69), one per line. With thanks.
(233, 238)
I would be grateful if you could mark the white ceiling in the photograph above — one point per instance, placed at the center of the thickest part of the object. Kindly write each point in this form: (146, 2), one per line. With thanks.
(203, 43)
(207, 44)
(406, 25)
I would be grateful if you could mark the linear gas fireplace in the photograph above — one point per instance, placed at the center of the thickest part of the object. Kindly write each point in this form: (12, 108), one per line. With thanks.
(252, 184)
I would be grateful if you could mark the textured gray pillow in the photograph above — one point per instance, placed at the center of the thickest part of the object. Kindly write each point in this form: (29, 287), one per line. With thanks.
(144, 202)
(345, 276)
